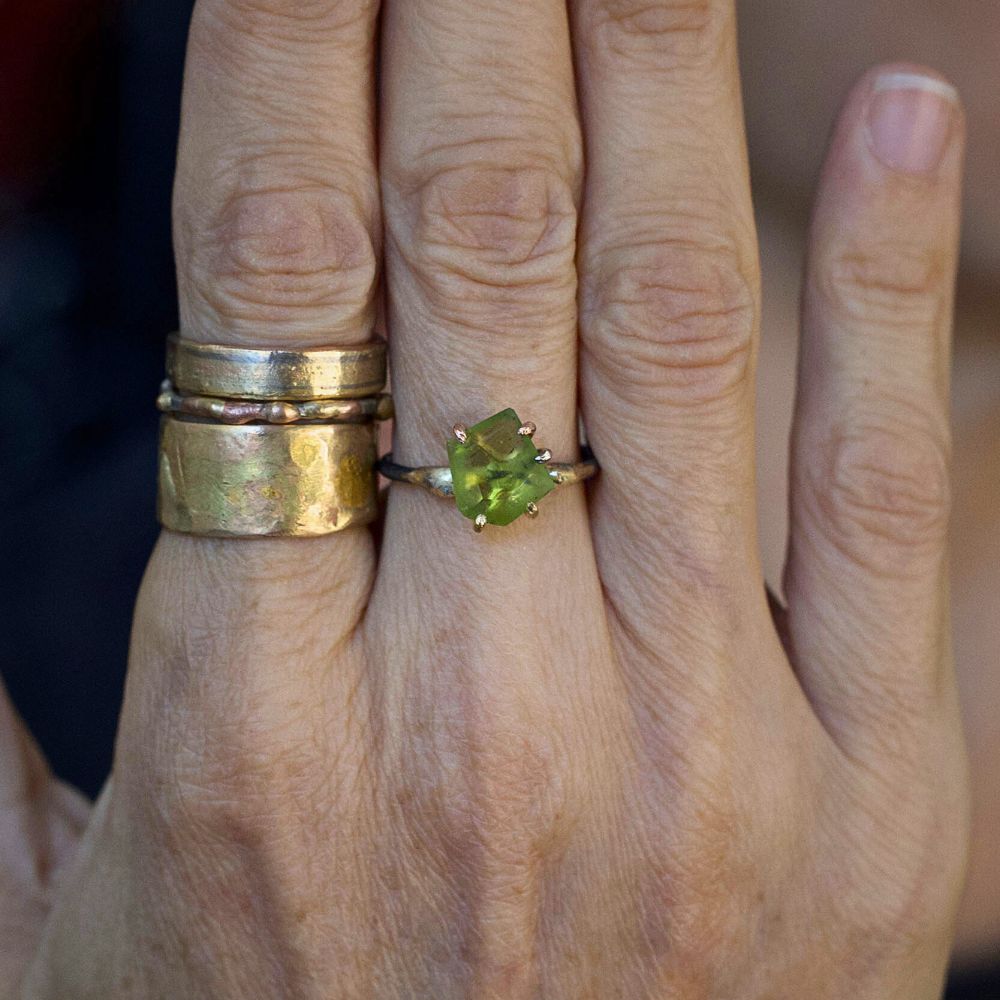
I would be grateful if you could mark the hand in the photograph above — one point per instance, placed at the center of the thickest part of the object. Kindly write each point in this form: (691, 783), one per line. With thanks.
(576, 757)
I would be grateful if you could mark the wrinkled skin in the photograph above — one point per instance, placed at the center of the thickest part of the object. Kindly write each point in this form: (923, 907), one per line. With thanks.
(822, 47)
(577, 757)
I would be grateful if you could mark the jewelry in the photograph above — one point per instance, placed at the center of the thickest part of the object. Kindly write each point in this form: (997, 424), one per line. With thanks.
(242, 411)
(495, 473)
(258, 479)
(269, 442)
(269, 374)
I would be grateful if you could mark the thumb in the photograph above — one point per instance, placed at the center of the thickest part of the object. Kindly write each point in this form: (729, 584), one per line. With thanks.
(41, 820)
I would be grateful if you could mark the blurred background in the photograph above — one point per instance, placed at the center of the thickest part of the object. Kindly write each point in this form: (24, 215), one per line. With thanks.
(89, 106)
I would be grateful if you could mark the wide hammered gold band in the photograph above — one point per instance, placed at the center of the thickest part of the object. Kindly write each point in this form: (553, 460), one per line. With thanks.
(260, 479)
(243, 373)
(269, 442)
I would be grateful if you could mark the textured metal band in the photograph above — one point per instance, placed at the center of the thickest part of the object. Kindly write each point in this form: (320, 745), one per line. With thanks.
(258, 479)
(247, 411)
(241, 373)
(437, 478)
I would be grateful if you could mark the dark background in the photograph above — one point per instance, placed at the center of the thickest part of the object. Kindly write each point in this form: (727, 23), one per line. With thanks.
(89, 103)
(89, 107)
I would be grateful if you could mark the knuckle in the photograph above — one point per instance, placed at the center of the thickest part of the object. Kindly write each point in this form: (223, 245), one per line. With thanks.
(499, 236)
(675, 320)
(681, 906)
(880, 930)
(921, 870)
(508, 802)
(886, 494)
(233, 789)
(886, 283)
(274, 255)
(210, 804)
(660, 32)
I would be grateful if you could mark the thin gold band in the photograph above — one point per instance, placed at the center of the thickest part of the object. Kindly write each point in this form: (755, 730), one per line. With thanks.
(246, 411)
(276, 374)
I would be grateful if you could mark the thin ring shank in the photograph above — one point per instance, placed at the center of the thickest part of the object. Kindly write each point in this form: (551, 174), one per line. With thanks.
(437, 478)
(241, 373)
(245, 411)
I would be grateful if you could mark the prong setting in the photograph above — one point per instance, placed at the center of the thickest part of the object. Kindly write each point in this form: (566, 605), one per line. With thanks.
(496, 473)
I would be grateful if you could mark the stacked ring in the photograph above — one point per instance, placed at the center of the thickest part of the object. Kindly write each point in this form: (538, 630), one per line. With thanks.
(269, 442)
(495, 473)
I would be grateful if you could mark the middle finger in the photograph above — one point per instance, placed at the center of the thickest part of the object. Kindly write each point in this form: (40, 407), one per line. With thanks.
(481, 164)
(489, 678)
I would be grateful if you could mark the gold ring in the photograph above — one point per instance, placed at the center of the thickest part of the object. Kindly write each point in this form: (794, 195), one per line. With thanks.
(269, 442)
(276, 374)
(247, 411)
(260, 479)
(496, 473)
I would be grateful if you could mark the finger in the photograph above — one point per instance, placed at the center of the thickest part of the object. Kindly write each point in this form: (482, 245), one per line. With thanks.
(277, 229)
(276, 224)
(669, 304)
(240, 701)
(276, 199)
(21, 763)
(865, 577)
(480, 172)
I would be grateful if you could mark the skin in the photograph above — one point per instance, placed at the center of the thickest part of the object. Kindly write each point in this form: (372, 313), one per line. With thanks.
(822, 47)
(577, 757)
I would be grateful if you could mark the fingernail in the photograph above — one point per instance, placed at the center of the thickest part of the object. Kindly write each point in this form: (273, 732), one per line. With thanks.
(909, 121)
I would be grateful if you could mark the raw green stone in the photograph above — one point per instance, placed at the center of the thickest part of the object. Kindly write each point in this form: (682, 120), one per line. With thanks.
(495, 471)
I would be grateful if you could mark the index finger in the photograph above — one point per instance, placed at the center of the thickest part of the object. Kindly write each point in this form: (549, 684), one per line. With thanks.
(277, 239)
(276, 206)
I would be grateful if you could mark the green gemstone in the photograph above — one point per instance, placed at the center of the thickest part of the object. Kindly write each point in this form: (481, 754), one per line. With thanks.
(495, 470)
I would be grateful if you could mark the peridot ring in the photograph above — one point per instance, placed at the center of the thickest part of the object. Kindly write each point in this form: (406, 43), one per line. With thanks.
(495, 472)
